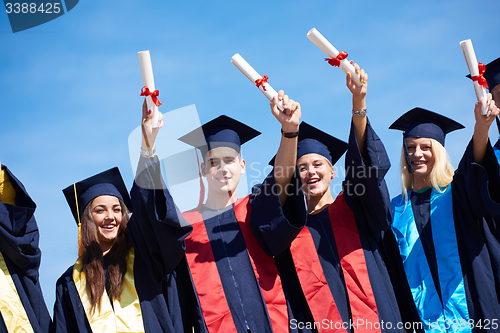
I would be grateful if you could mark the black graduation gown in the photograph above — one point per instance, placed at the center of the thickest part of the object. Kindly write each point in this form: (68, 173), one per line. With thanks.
(157, 231)
(367, 196)
(241, 288)
(240, 285)
(476, 211)
(497, 147)
(19, 246)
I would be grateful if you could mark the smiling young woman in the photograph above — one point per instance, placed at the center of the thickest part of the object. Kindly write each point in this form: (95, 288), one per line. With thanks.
(443, 251)
(125, 277)
(425, 153)
(105, 246)
(328, 253)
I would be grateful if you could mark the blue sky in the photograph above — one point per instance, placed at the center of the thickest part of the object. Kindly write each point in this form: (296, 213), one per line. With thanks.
(70, 88)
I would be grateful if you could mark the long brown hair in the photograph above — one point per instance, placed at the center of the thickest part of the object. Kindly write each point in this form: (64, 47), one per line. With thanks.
(92, 258)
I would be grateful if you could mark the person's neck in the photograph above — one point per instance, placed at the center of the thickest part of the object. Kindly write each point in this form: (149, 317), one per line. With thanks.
(318, 203)
(220, 200)
(105, 248)
(420, 183)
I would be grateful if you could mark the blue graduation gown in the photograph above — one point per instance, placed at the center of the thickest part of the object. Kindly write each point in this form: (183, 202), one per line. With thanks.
(157, 231)
(476, 211)
(19, 246)
(276, 228)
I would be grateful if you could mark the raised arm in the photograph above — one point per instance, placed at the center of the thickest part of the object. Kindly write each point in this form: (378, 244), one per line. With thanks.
(359, 106)
(482, 128)
(157, 228)
(284, 164)
(366, 164)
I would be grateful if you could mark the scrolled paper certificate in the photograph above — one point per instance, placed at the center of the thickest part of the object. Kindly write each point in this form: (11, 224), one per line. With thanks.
(320, 41)
(149, 82)
(471, 60)
(259, 81)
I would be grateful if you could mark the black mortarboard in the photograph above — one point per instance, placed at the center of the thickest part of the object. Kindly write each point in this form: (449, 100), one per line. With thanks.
(109, 182)
(222, 131)
(314, 141)
(421, 123)
(492, 74)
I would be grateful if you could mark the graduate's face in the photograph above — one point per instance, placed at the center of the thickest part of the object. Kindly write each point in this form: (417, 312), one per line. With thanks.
(316, 174)
(107, 215)
(223, 168)
(421, 156)
(495, 92)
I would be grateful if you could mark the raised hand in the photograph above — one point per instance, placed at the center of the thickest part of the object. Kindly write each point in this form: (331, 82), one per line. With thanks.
(148, 132)
(358, 93)
(290, 117)
(482, 128)
(484, 121)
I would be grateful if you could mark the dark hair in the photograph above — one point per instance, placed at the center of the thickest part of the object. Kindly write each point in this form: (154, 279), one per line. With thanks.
(92, 258)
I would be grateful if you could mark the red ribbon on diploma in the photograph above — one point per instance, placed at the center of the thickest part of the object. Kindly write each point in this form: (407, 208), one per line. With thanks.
(154, 95)
(260, 82)
(336, 61)
(480, 78)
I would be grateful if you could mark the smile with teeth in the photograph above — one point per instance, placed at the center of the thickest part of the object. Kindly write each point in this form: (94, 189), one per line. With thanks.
(419, 163)
(108, 226)
(313, 181)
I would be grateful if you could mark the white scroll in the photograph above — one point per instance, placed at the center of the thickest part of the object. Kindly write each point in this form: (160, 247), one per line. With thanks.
(471, 60)
(253, 76)
(320, 41)
(149, 82)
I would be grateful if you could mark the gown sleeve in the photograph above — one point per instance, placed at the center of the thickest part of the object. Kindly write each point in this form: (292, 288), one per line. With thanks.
(69, 315)
(156, 228)
(19, 239)
(364, 187)
(478, 185)
(274, 226)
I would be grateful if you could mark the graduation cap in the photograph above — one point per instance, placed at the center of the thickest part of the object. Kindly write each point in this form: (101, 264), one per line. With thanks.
(222, 131)
(109, 182)
(314, 141)
(422, 123)
(492, 74)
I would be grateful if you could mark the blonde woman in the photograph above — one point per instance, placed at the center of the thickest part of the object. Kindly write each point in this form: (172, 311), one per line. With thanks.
(444, 251)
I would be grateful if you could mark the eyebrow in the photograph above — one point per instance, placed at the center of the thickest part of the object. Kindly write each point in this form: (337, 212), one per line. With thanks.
(104, 206)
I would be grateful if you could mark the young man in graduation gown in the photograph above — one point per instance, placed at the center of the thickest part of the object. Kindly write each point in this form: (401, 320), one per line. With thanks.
(331, 267)
(22, 307)
(443, 249)
(156, 248)
(237, 285)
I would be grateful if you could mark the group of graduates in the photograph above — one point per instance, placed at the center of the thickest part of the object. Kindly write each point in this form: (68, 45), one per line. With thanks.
(289, 257)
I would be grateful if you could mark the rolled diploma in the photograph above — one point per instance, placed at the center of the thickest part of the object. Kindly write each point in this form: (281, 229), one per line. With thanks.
(471, 60)
(320, 41)
(252, 75)
(148, 81)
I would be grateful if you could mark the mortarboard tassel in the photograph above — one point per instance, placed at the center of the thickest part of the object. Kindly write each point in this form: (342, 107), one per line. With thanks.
(80, 248)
